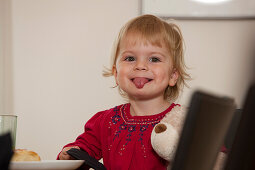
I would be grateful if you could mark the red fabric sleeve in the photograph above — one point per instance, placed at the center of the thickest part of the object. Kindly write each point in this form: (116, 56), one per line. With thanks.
(89, 141)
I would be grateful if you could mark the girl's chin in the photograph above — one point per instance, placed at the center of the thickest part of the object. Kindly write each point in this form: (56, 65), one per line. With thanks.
(144, 96)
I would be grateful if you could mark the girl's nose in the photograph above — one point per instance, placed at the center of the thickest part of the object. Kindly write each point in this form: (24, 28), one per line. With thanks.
(141, 65)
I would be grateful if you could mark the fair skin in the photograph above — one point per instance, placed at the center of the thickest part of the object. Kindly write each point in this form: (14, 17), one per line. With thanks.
(64, 155)
(150, 65)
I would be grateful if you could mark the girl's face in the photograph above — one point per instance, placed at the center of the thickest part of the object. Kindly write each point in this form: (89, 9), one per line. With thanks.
(143, 70)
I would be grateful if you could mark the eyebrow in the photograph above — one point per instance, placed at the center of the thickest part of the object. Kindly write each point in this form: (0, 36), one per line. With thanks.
(159, 54)
(126, 52)
(149, 53)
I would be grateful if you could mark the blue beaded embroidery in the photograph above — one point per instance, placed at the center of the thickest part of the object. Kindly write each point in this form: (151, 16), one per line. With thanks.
(131, 125)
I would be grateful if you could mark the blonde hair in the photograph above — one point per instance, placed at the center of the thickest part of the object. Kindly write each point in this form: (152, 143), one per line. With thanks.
(151, 29)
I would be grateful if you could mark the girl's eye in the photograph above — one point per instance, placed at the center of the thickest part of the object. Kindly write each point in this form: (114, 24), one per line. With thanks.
(154, 59)
(129, 58)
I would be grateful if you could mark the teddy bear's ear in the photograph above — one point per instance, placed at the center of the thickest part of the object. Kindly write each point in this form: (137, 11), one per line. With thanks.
(160, 128)
(165, 142)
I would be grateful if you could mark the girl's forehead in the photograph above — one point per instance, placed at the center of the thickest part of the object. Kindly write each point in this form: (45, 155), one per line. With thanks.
(131, 39)
(134, 41)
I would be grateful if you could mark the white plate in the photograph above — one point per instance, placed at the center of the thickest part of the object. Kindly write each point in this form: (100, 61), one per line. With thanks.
(46, 164)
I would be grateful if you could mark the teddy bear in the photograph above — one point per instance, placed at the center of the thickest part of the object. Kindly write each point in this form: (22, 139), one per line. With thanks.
(165, 136)
(166, 133)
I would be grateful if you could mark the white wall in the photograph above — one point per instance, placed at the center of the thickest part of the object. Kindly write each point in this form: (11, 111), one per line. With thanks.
(221, 56)
(59, 48)
(6, 58)
(1, 55)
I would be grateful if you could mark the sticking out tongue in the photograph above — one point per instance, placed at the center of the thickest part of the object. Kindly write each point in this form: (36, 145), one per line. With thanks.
(140, 82)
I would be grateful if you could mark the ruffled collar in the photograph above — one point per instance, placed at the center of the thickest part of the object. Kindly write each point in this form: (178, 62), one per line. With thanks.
(152, 119)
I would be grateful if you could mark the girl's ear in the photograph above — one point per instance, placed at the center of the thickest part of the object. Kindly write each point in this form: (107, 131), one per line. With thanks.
(173, 78)
(114, 72)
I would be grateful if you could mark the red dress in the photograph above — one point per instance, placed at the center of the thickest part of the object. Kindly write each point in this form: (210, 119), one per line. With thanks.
(122, 140)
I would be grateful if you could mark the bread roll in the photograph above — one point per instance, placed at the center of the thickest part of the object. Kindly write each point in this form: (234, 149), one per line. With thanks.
(25, 155)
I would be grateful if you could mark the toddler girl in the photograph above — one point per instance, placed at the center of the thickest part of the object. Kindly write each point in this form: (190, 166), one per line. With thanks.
(149, 70)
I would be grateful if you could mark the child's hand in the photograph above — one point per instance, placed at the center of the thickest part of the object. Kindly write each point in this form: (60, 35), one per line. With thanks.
(64, 156)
